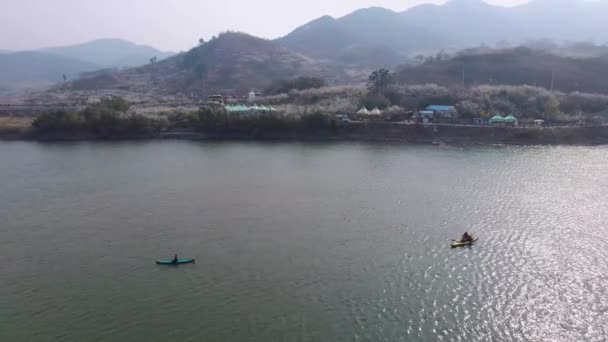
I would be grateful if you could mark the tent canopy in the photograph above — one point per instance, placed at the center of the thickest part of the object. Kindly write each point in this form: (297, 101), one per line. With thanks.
(363, 110)
(497, 118)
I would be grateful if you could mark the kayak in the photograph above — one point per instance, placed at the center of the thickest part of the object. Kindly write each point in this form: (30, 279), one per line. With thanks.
(464, 244)
(179, 262)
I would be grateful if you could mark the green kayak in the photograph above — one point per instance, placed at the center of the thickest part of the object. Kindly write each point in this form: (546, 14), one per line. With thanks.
(174, 262)
(464, 244)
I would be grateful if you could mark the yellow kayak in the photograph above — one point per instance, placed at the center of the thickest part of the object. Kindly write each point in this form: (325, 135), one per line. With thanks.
(464, 244)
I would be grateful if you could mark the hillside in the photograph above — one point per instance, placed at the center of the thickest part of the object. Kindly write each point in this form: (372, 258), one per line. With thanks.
(454, 25)
(233, 63)
(517, 66)
(110, 53)
(368, 37)
(38, 66)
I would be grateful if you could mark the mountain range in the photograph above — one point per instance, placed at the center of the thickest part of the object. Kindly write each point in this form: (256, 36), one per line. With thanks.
(32, 69)
(109, 53)
(454, 25)
(232, 62)
(339, 50)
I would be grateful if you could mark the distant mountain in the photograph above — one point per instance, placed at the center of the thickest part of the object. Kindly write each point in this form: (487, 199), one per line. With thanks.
(233, 63)
(456, 24)
(369, 36)
(518, 66)
(39, 66)
(110, 53)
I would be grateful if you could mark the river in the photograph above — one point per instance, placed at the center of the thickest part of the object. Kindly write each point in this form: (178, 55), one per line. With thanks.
(302, 242)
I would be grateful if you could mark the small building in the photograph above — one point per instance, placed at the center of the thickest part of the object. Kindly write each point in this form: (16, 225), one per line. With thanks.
(539, 123)
(216, 99)
(252, 96)
(343, 118)
(441, 111)
(425, 116)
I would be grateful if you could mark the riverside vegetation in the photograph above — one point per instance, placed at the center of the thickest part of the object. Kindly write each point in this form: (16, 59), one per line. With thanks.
(312, 113)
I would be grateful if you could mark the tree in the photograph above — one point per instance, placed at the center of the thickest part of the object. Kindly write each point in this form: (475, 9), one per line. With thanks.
(379, 81)
(375, 100)
(153, 60)
(300, 83)
(468, 109)
(201, 41)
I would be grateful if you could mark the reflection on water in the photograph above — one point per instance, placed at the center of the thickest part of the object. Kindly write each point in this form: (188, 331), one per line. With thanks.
(298, 242)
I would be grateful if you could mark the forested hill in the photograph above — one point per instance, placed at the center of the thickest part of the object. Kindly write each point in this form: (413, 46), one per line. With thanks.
(519, 66)
(233, 63)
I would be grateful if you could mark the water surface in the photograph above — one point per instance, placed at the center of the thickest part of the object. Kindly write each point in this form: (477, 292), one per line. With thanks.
(302, 242)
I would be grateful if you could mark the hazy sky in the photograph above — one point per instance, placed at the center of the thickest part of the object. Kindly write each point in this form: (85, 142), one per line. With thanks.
(167, 24)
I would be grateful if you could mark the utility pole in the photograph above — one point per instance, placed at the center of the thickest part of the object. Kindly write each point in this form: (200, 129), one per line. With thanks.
(463, 76)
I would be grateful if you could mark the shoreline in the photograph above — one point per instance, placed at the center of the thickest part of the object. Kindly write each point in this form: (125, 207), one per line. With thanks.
(415, 134)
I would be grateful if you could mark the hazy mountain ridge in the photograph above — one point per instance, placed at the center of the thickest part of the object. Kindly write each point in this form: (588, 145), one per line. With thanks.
(110, 52)
(346, 49)
(338, 40)
(454, 25)
(231, 63)
(43, 67)
(39, 66)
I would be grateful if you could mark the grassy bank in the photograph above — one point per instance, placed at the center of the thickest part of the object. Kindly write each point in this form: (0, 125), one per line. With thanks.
(15, 127)
(112, 119)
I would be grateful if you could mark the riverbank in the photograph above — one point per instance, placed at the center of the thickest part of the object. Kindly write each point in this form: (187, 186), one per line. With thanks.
(363, 131)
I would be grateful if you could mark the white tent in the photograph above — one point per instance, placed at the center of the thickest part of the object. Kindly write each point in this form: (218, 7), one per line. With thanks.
(376, 111)
(363, 111)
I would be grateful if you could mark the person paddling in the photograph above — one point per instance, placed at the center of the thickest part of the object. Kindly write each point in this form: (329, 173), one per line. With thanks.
(174, 259)
(466, 237)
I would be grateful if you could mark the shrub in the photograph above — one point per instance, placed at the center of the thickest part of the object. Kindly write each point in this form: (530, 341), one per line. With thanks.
(300, 83)
(107, 119)
(373, 101)
(61, 121)
(316, 121)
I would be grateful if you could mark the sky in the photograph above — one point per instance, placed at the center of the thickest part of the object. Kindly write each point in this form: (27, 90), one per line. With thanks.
(174, 25)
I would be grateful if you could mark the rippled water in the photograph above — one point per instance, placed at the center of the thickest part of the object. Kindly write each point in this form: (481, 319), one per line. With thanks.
(343, 242)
